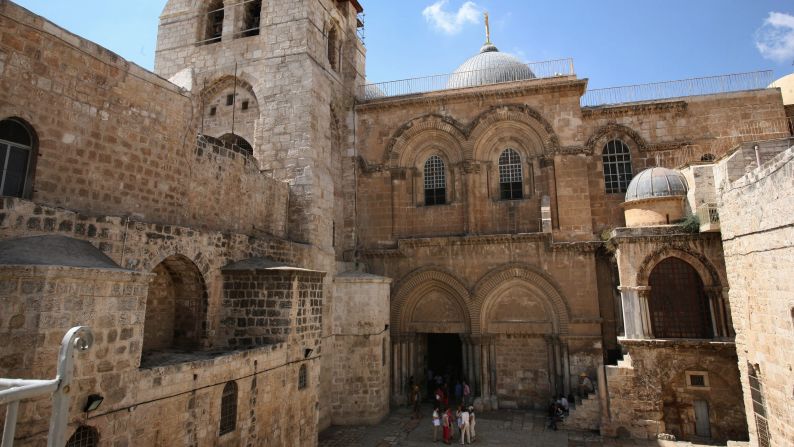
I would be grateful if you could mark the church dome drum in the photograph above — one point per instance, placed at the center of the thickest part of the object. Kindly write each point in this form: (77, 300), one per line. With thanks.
(655, 197)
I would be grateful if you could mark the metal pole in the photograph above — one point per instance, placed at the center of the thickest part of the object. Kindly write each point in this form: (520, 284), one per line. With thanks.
(11, 424)
(81, 338)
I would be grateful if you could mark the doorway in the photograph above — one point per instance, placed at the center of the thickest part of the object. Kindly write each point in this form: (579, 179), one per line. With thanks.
(445, 356)
(702, 427)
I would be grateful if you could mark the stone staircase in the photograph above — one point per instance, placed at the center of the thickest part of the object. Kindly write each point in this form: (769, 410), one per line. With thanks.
(585, 415)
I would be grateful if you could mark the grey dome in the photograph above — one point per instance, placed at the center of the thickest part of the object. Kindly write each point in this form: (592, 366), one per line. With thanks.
(656, 182)
(490, 66)
(372, 91)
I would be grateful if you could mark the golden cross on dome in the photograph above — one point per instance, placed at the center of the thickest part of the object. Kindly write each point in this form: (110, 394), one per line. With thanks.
(487, 29)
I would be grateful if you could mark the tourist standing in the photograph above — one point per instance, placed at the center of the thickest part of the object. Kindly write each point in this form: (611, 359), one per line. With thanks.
(446, 427)
(466, 393)
(585, 386)
(458, 392)
(472, 424)
(416, 399)
(464, 426)
(436, 422)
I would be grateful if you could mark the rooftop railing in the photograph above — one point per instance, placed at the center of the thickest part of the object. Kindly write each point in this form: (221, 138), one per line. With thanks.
(676, 89)
(534, 70)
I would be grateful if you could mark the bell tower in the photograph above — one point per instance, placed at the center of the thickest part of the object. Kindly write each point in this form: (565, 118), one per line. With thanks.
(276, 79)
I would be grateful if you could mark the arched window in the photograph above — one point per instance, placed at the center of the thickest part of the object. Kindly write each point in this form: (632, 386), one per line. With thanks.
(617, 167)
(228, 408)
(16, 157)
(708, 157)
(84, 436)
(176, 309)
(511, 177)
(435, 181)
(303, 379)
(251, 18)
(333, 47)
(678, 303)
(214, 27)
(237, 144)
(759, 406)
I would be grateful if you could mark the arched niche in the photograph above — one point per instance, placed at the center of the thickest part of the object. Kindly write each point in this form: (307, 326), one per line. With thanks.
(518, 307)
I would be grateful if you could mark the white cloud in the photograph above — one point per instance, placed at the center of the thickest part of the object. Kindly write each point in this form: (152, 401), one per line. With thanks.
(452, 22)
(775, 38)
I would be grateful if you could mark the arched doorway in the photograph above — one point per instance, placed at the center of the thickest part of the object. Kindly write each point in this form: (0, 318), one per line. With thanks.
(431, 324)
(176, 308)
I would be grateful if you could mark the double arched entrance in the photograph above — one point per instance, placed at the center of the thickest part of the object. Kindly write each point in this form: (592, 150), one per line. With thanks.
(507, 336)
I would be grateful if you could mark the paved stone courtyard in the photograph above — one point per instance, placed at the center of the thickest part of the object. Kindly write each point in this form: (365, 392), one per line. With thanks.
(500, 428)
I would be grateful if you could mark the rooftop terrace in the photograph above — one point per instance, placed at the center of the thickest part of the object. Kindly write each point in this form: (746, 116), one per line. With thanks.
(562, 68)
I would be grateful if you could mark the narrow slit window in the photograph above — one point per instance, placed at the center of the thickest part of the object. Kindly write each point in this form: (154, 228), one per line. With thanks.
(435, 181)
(511, 177)
(228, 408)
(303, 380)
(617, 167)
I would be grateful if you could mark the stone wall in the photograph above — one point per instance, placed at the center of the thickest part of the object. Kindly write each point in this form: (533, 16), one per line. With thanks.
(649, 393)
(756, 222)
(178, 399)
(361, 346)
(105, 148)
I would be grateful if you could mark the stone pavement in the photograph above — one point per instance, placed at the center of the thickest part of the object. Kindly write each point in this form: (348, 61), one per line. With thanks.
(499, 428)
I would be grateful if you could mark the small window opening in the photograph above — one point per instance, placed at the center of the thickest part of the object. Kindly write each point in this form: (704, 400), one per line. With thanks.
(229, 408)
(759, 405)
(697, 380)
(229, 100)
(708, 157)
(84, 436)
(252, 18)
(435, 181)
(303, 380)
(16, 157)
(213, 110)
(333, 48)
(245, 105)
(214, 29)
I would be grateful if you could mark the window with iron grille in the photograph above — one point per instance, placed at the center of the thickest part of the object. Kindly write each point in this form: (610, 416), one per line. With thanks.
(229, 408)
(84, 436)
(617, 167)
(16, 147)
(511, 176)
(759, 407)
(435, 181)
(303, 380)
(678, 303)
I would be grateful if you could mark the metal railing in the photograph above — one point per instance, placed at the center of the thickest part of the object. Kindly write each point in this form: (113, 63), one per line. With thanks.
(708, 215)
(533, 70)
(12, 391)
(677, 89)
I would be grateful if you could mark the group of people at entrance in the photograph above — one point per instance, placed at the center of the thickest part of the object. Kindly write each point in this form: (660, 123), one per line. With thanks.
(463, 419)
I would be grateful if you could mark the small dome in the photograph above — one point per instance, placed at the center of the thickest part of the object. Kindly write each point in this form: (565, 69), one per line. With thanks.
(490, 66)
(373, 91)
(656, 182)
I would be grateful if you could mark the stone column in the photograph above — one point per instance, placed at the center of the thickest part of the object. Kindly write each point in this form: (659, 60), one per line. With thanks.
(492, 363)
(395, 369)
(566, 367)
(404, 365)
(551, 361)
(464, 348)
(412, 357)
(477, 382)
(471, 374)
(632, 317)
(644, 294)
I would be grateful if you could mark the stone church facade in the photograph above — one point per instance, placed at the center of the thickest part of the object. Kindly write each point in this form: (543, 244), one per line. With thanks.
(264, 245)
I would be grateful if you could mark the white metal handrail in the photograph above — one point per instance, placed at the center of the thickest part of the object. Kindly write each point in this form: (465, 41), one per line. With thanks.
(678, 89)
(12, 391)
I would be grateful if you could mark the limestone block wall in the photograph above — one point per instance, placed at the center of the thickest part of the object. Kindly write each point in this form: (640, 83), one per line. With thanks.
(142, 246)
(114, 139)
(651, 395)
(756, 222)
(359, 376)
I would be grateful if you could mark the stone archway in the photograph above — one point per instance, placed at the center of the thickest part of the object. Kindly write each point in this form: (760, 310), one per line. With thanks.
(522, 322)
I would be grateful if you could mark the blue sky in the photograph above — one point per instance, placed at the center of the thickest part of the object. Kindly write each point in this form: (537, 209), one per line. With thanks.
(613, 42)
